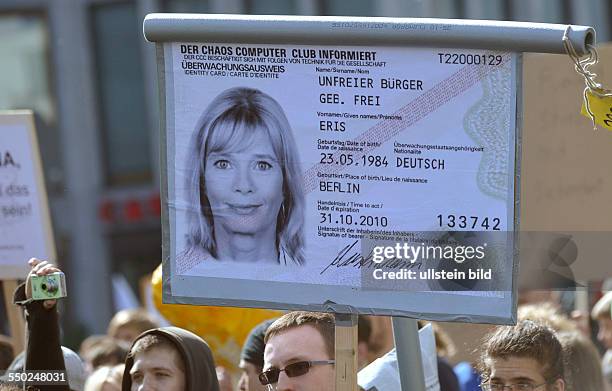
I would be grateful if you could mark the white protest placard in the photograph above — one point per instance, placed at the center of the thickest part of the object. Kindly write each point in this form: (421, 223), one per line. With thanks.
(25, 226)
(287, 167)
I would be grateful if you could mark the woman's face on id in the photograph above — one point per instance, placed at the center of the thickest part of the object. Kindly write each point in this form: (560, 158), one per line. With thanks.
(244, 186)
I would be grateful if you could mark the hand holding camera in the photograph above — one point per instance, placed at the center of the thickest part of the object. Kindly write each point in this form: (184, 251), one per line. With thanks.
(45, 282)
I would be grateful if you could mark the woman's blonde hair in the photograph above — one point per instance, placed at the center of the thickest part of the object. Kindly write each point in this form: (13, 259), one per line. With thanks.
(233, 118)
(106, 375)
(137, 318)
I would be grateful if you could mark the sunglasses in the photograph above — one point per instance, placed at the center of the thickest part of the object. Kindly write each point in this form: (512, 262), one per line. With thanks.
(292, 370)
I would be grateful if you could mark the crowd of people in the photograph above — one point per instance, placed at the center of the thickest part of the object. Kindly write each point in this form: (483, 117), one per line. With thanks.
(546, 350)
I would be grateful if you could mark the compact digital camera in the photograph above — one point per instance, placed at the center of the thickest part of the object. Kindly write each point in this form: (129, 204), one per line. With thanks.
(49, 287)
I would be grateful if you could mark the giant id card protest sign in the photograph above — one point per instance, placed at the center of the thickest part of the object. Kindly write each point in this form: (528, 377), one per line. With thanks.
(305, 170)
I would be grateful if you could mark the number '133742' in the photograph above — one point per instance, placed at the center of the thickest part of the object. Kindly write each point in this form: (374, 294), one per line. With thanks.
(475, 223)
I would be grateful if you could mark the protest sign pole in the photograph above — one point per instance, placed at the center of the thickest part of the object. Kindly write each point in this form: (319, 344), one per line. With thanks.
(16, 323)
(346, 351)
(408, 348)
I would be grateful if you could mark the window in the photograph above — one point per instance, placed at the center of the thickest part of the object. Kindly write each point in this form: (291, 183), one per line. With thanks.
(544, 11)
(270, 7)
(485, 9)
(25, 83)
(117, 34)
(24, 68)
(348, 8)
(442, 9)
(186, 6)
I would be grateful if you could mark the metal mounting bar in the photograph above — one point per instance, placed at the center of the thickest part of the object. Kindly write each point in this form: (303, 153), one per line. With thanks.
(408, 348)
(335, 30)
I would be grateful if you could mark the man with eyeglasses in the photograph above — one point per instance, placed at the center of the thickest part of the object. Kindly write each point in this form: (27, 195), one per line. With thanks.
(525, 357)
(299, 353)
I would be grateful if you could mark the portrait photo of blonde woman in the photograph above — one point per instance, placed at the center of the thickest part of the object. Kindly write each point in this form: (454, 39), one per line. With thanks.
(245, 198)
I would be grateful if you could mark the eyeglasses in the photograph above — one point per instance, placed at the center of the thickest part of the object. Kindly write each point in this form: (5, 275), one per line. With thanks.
(292, 370)
(510, 387)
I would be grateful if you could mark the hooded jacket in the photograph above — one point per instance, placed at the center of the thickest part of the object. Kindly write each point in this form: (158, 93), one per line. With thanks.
(200, 374)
